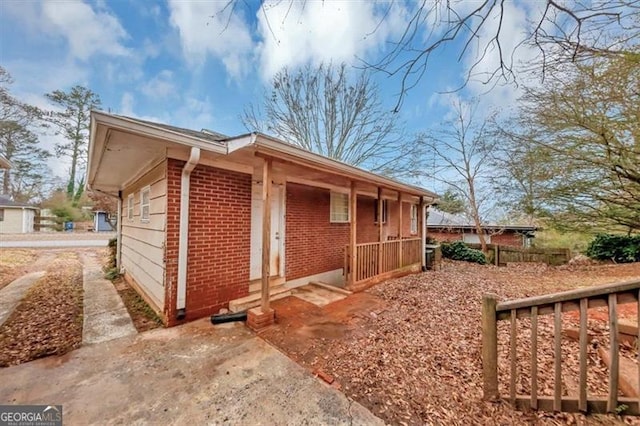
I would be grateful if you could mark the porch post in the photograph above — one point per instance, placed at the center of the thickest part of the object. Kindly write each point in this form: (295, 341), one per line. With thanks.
(400, 225)
(422, 217)
(353, 205)
(380, 206)
(266, 232)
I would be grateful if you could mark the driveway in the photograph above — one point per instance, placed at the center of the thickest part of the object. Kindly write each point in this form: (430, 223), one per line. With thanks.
(193, 374)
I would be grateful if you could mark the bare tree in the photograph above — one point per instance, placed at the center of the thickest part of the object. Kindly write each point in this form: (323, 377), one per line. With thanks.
(586, 124)
(323, 110)
(559, 31)
(462, 148)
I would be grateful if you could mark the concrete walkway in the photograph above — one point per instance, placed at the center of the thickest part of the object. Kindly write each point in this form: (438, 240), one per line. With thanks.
(11, 295)
(105, 316)
(192, 374)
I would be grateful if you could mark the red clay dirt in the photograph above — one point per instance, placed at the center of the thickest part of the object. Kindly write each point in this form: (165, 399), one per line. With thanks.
(305, 329)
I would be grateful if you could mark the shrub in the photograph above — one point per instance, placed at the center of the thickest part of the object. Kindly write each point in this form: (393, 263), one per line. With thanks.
(110, 269)
(460, 251)
(619, 248)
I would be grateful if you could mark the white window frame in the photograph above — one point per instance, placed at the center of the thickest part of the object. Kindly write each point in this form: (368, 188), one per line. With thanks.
(385, 211)
(339, 207)
(130, 204)
(145, 217)
(414, 218)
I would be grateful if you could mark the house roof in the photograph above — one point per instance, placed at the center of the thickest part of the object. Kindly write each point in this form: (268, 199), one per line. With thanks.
(440, 219)
(219, 144)
(6, 202)
(4, 163)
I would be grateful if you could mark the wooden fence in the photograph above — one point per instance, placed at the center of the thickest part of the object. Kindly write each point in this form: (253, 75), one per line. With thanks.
(574, 300)
(501, 255)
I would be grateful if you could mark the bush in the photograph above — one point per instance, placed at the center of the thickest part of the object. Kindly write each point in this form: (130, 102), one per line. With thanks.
(110, 269)
(460, 251)
(619, 248)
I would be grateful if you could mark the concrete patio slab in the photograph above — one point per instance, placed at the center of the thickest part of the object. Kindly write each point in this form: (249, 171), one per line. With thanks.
(192, 374)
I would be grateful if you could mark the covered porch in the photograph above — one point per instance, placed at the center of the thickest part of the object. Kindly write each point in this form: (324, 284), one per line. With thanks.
(375, 225)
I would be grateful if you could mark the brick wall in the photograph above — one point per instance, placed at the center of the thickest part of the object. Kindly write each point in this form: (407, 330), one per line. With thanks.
(312, 244)
(219, 239)
(368, 229)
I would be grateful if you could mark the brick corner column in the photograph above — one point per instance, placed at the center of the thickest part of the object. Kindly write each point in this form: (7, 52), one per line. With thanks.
(258, 319)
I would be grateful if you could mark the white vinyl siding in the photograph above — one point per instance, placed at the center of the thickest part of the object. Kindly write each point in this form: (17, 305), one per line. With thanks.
(339, 207)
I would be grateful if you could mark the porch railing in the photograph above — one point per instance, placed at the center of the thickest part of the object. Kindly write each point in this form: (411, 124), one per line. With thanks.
(395, 255)
(555, 304)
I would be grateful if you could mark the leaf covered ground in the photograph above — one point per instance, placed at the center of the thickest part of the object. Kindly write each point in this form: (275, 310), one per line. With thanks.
(13, 263)
(48, 321)
(409, 349)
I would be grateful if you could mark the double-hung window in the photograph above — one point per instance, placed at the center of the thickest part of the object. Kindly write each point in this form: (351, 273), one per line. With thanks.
(385, 211)
(414, 219)
(145, 194)
(339, 207)
(130, 207)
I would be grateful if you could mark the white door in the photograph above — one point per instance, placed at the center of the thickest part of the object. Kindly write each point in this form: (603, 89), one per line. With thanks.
(277, 231)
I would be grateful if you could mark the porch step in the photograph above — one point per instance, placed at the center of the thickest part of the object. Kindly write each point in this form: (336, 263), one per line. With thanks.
(331, 287)
(629, 327)
(253, 299)
(628, 373)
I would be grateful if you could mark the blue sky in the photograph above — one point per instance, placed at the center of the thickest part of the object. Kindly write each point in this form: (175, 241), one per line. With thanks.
(193, 64)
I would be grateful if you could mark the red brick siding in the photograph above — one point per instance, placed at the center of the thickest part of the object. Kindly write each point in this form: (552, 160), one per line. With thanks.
(312, 244)
(219, 239)
(507, 238)
(368, 229)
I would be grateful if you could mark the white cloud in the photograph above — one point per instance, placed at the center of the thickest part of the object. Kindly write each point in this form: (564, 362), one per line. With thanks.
(88, 32)
(205, 29)
(296, 33)
(159, 87)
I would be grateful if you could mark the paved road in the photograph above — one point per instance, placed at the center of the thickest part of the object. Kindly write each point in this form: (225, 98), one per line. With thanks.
(53, 243)
(192, 374)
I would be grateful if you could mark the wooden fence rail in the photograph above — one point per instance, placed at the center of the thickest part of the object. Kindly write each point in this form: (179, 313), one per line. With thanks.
(501, 255)
(555, 304)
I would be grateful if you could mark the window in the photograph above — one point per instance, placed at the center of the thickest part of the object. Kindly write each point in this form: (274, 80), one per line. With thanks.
(144, 204)
(385, 211)
(339, 207)
(1, 215)
(130, 207)
(414, 219)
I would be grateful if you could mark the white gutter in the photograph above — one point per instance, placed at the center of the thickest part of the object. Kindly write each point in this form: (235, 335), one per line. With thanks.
(119, 234)
(183, 243)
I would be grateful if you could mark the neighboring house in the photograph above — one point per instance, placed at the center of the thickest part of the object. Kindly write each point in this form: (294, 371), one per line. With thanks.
(16, 218)
(443, 226)
(101, 222)
(198, 229)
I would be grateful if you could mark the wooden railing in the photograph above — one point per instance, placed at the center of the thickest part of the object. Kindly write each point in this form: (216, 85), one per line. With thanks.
(395, 255)
(574, 300)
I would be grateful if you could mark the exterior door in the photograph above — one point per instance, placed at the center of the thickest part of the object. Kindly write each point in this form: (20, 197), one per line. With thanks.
(277, 231)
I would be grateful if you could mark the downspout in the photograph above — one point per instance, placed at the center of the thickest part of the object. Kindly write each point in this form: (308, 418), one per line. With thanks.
(119, 234)
(183, 242)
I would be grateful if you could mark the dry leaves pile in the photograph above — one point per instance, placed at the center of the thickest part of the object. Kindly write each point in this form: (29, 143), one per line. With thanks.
(419, 360)
(12, 263)
(48, 321)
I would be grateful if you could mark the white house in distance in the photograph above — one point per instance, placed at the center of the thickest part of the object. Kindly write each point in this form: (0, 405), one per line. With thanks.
(15, 218)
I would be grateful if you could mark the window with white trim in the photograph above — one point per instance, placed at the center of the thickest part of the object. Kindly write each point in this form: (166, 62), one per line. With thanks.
(145, 195)
(339, 207)
(414, 219)
(385, 211)
(130, 207)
